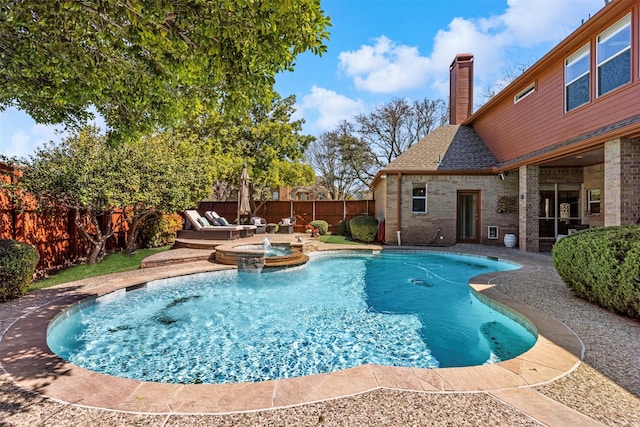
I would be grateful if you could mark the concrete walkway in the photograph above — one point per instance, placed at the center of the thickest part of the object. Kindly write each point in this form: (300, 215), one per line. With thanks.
(548, 385)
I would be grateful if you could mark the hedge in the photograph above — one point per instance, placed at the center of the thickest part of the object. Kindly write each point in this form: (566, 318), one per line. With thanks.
(364, 228)
(160, 230)
(602, 265)
(321, 225)
(344, 229)
(18, 262)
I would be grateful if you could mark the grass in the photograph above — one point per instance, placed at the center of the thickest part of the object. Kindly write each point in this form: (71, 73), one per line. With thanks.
(112, 263)
(334, 238)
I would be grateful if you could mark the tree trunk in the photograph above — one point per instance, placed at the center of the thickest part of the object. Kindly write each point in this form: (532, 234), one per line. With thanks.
(98, 242)
(136, 222)
(94, 253)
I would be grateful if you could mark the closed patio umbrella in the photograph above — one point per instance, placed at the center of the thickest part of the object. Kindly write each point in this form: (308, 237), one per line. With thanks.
(243, 196)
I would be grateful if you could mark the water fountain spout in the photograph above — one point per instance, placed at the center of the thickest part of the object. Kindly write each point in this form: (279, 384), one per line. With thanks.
(266, 244)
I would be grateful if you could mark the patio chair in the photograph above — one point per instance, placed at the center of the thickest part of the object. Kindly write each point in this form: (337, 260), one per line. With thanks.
(215, 219)
(286, 225)
(260, 223)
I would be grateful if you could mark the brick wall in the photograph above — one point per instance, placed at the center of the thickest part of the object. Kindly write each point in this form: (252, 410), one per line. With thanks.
(630, 182)
(421, 228)
(621, 181)
(593, 180)
(529, 208)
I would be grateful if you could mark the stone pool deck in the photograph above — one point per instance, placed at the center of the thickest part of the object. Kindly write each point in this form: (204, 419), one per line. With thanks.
(563, 380)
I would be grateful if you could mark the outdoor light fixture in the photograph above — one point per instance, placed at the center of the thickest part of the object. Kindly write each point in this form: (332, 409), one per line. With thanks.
(502, 175)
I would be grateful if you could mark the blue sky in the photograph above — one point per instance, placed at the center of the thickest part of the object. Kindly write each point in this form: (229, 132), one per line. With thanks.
(382, 49)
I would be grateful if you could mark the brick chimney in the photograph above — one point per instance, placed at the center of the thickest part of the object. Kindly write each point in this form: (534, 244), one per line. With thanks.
(461, 88)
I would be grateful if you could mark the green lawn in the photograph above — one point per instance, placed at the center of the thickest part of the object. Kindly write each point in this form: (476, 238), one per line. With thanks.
(113, 263)
(331, 238)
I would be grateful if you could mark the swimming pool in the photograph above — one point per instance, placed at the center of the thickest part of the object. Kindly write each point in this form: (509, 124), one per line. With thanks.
(341, 310)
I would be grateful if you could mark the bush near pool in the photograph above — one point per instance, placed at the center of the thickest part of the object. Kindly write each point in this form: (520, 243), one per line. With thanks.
(602, 265)
(18, 262)
(364, 228)
(321, 225)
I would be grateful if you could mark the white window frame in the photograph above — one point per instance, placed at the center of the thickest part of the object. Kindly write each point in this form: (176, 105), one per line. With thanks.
(524, 93)
(605, 35)
(414, 197)
(593, 199)
(575, 57)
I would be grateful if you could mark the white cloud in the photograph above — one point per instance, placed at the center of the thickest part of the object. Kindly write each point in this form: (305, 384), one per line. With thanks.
(20, 135)
(328, 108)
(526, 23)
(385, 67)
(495, 42)
(23, 143)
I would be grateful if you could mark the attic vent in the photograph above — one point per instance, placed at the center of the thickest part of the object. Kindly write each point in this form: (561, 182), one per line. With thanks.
(524, 93)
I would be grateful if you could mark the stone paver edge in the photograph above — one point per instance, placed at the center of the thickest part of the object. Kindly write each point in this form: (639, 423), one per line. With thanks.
(206, 267)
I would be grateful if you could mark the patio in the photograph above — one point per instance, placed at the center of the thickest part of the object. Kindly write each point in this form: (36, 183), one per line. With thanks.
(604, 388)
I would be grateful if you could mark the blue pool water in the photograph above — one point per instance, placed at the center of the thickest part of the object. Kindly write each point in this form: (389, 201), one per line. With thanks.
(340, 310)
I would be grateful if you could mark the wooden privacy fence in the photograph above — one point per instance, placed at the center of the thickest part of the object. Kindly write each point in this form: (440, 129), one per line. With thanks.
(332, 211)
(56, 237)
(53, 233)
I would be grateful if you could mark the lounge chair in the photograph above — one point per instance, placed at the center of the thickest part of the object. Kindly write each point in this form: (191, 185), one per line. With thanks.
(202, 228)
(215, 219)
(286, 225)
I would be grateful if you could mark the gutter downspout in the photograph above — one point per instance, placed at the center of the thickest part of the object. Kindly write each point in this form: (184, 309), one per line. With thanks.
(399, 206)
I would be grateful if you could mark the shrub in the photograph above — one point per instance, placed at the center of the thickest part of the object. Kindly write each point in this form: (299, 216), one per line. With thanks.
(321, 225)
(364, 228)
(160, 230)
(18, 262)
(602, 265)
(344, 229)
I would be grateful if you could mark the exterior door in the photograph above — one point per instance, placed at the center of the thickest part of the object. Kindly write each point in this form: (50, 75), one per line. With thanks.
(468, 217)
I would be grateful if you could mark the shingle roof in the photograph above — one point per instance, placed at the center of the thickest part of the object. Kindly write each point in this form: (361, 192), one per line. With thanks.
(449, 147)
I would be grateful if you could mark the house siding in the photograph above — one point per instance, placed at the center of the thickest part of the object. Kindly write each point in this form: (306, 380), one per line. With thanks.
(539, 120)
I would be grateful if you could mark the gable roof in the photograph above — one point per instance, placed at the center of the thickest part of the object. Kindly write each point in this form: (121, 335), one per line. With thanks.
(448, 148)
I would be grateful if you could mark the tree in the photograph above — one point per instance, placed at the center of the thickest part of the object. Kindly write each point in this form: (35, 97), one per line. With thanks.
(94, 179)
(141, 63)
(265, 139)
(326, 157)
(510, 73)
(373, 140)
(160, 173)
(75, 175)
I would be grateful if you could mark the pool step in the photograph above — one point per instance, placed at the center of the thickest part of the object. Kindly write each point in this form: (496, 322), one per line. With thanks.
(178, 256)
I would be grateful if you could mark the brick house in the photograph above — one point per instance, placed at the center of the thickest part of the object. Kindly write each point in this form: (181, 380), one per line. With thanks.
(556, 151)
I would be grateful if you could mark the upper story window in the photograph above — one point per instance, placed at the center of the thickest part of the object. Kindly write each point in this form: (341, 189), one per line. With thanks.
(419, 198)
(576, 77)
(524, 93)
(614, 56)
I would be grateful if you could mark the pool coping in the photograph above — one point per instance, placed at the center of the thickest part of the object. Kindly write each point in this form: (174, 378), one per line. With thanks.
(25, 356)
